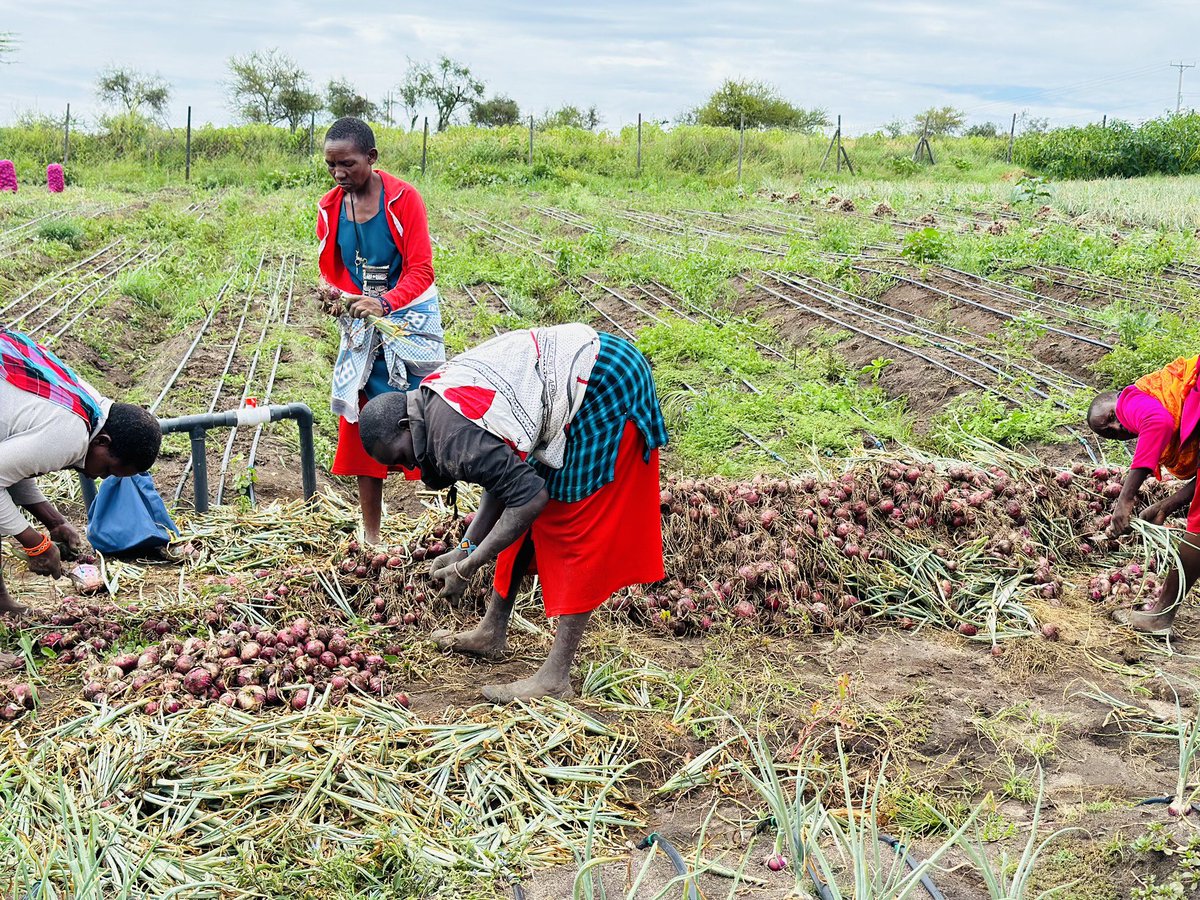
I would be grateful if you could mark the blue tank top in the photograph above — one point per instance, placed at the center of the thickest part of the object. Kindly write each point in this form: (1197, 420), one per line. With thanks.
(377, 247)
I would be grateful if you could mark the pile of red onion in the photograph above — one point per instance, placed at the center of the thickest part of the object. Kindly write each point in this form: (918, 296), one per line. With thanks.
(1132, 583)
(246, 667)
(16, 699)
(786, 554)
(80, 628)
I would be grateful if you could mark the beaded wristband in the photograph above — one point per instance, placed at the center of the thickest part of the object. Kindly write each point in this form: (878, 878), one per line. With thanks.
(468, 545)
(42, 546)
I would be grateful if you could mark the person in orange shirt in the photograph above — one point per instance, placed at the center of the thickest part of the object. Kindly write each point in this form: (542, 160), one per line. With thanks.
(1162, 411)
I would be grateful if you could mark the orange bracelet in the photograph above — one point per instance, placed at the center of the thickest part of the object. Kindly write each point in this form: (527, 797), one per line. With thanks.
(43, 545)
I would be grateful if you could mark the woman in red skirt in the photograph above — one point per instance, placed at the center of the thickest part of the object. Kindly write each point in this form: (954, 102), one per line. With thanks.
(374, 255)
(561, 427)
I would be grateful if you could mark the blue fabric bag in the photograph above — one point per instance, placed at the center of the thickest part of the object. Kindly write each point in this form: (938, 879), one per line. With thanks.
(128, 515)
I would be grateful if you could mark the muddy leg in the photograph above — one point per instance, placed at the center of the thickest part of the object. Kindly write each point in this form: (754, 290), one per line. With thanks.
(1173, 593)
(370, 501)
(9, 607)
(553, 679)
(489, 638)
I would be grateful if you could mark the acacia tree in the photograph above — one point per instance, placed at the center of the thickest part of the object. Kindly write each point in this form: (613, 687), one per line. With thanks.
(495, 112)
(298, 103)
(761, 104)
(269, 86)
(448, 85)
(341, 99)
(133, 90)
(942, 120)
(570, 117)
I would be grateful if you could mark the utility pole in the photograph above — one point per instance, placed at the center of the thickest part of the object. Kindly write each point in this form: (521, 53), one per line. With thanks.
(1179, 97)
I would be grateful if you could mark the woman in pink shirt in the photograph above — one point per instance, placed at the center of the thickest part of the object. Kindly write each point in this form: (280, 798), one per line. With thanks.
(1161, 410)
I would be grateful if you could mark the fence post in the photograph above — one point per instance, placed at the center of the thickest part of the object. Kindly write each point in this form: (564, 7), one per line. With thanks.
(1104, 121)
(425, 145)
(187, 155)
(1012, 134)
(67, 136)
(741, 145)
(312, 127)
(838, 158)
(531, 140)
(639, 155)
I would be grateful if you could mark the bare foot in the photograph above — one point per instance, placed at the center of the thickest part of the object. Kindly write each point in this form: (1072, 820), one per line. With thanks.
(11, 661)
(528, 689)
(1147, 622)
(10, 607)
(485, 644)
(372, 540)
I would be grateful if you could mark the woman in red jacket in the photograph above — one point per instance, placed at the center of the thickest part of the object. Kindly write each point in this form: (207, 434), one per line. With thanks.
(375, 254)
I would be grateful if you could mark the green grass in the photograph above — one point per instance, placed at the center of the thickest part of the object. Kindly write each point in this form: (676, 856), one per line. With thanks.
(799, 410)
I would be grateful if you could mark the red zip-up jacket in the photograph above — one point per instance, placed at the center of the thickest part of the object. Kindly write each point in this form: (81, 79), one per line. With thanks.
(409, 225)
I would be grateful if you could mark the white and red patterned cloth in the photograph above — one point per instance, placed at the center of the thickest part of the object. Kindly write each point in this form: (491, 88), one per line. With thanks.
(524, 387)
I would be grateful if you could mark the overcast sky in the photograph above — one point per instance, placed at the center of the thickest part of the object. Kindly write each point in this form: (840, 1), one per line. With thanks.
(869, 60)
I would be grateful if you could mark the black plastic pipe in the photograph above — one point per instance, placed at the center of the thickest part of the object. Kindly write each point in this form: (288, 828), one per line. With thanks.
(197, 426)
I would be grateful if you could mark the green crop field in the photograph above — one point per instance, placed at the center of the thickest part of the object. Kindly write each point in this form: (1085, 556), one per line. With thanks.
(889, 581)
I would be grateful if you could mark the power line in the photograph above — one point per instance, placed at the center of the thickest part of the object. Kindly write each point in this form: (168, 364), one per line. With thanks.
(1179, 96)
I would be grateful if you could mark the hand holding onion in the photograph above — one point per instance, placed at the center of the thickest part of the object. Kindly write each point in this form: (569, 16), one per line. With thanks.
(445, 561)
(1120, 518)
(331, 300)
(1155, 514)
(47, 563)
(68, 539)
(455, 585)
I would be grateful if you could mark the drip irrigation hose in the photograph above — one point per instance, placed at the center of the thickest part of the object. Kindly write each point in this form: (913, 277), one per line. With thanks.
(823, 891)
(907, 329)
(503, 301)
(16, 229)
(903, 327)
(1113, 288)
(195, 343)
(882, 340)
(237, 336)
(922, 323)
(272, 311)
(480, 304)
(265, 400)
(676, 860)
(718, 322)
(518, 891)
(1011, 294)
(89, 306)
(630, 335)
(100, 277)
(1166, 801)
(57, 276)
(991, 309)
(106, 280)
(913, 864)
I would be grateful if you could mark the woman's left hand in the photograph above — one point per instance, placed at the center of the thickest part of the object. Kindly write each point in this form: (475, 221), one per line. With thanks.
(444, 561)
(68, 538)
(455, 585)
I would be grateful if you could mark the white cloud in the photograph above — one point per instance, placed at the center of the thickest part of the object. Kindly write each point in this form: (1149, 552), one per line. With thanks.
(870, 60)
